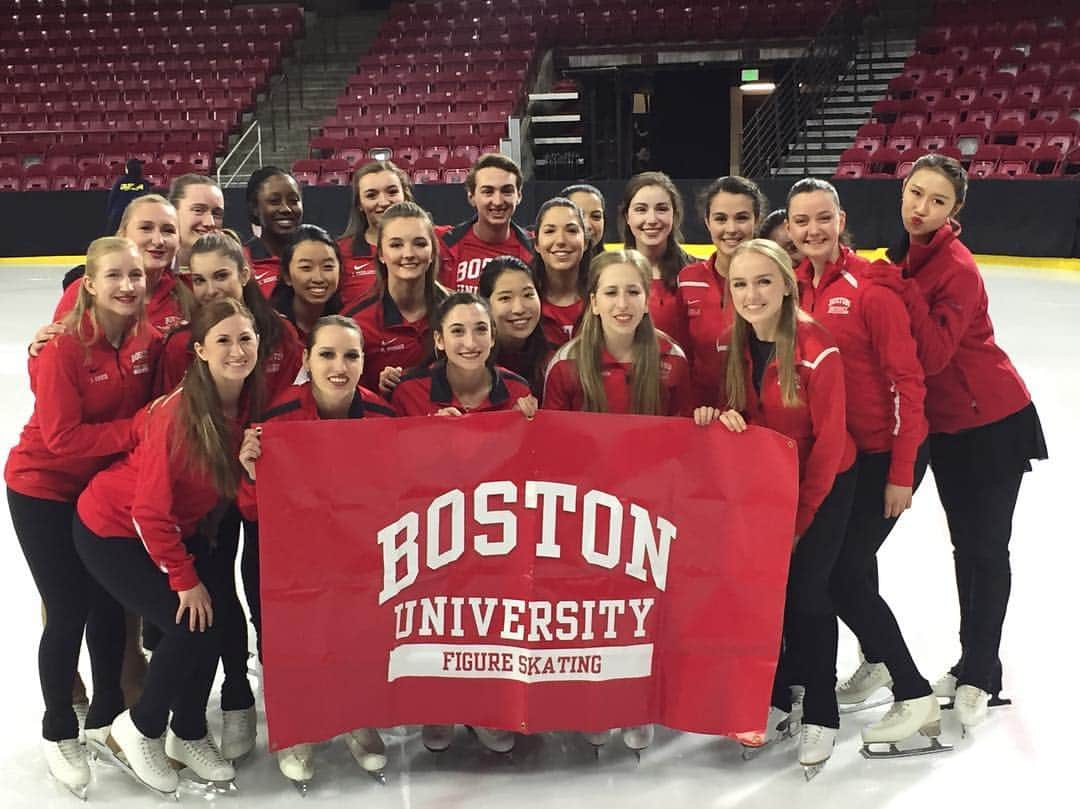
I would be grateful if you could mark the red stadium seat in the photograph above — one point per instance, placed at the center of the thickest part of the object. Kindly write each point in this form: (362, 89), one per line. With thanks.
(64, 177)
(884, 161)
(985, 161)
(903, 136)
(1070, 166)
(983, 109)
(1046, 161)
(948, 110)
(970, 135)
(935, 136)
(854, 163)
(1064, 133)
(1016, 107)
(455, 169)
(1006, 132)
(336, 171)
(870, 137)
(11, 177)
(99, 177)
(1015, 162)
(306, 172)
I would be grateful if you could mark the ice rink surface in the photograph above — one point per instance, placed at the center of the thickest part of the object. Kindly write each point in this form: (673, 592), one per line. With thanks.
(1021, 756)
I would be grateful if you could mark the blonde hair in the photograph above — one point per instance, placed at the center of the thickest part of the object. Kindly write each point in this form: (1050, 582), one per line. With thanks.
(585, 349)
(184, 299)
(790, 314)
(85, 302)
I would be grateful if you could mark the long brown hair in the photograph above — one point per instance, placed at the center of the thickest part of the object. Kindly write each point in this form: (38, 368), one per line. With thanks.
(674, 258)
(201, 429)
(85, 302)
(586, 349)
(790, 315)
(358, 223)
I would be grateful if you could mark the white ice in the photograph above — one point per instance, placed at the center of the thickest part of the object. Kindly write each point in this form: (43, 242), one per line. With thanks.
(1021, 755)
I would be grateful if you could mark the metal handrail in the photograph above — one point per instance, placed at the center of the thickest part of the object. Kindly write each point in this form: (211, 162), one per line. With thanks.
(256, 148)
(781, 120)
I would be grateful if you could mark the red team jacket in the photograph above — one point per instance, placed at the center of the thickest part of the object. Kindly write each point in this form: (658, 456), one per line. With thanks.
(462, 254)
(817, 425)
(358, 269)
(153, 495)
(707, 313)
(298, 404)
(280, 367)
(664, 311)
(970, 381)
(882, 374)
(424, 391)
(265, 267)
(389, 339)
(85, 400)
(162, 308)
(560, 322)
(562, 387)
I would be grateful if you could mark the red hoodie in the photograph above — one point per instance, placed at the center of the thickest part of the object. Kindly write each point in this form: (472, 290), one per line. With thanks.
(425, 391)
(817, 425)
(162, 306)
(882, 374)
(154, 495)
(562, 386)
(85, 398)
(706, 310)
(970, 381)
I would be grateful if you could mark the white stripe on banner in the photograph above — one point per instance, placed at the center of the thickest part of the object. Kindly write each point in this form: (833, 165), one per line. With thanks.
(590, 664)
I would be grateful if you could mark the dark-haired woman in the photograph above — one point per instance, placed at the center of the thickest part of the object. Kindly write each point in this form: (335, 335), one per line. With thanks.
(561, 268)
(142, 529)
(310, 275)
(376, 186)
(275, 210)
(731, 207)
(984, 429)
(774, 228)
(591, 202)
(509, 286)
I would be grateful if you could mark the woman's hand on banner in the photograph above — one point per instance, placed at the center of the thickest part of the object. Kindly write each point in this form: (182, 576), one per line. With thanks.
(389, 378)
(251, 450)
(527, 405)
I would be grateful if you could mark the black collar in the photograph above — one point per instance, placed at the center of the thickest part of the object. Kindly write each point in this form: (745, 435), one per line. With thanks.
(442, 394)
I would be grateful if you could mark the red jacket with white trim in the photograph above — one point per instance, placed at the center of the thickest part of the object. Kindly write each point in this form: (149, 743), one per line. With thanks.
(882, 374)
(562, 386)
(425, 391)
(358, 273)
(265, 266)
(560, 322)
(85, 401)
(463, 254)
(707, 311)
(817, 425)
(163, 310)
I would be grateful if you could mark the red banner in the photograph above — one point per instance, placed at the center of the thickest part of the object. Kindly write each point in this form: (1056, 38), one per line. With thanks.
(573, 572)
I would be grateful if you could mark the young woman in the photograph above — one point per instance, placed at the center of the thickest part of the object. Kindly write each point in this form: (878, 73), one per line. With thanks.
(732, 208)
(394, 317)
(200, 209)
(885, 394)
(784, 372)
(650, 217)
(333, 359)
(509, 286)
(561, 268)
(984, 429)
(88, 382)
(774, 228)
(376, 186)
(143, 529)
(275, 211)
(308, 287)
(591, 202)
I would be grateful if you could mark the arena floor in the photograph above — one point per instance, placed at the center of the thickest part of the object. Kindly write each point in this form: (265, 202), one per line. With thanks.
(1019, 753)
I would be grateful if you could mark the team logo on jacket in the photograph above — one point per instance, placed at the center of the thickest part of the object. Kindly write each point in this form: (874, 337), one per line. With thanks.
(839, 305)
(140, 362)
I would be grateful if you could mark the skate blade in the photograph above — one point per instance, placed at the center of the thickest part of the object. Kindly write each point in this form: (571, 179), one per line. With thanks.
(302, 787)
(810, 771)
(78, 792)
(865, 705)
(378, 776)
(107, 755)
(996, 701)
(895, 751)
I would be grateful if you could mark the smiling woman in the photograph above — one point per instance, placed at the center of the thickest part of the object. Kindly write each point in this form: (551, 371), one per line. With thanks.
(275, 211)
(310, 274)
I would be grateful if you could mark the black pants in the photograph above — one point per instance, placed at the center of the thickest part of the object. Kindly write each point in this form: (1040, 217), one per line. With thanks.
(249, 571)
(810, 630)
(854, 584)
(182, 669)
(980, 515)
(73, 601)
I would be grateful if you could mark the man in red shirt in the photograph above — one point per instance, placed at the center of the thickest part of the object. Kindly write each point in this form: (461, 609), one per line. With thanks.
(493, 187)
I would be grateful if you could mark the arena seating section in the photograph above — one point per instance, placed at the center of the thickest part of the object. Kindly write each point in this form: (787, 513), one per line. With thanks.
(995, 85)
(86, 84)
(438, 85)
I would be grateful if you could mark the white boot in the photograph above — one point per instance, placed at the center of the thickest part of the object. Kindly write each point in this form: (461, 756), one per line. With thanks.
(495, 740)
(597, 738)
(67, 763)
(145, 756)
(297, 763)
(945, 687)
(366, 746)
(815, 747)
(637, 737)
(238, 733)
(972, 703)
(201, 756)
(904, 719)
(437, 738)
(82, 710)
(862, 683)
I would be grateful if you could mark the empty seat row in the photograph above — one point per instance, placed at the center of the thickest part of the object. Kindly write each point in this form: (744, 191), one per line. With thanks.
(1063, 134)
(70, 177)
(990, 160)
(986, 109)
(405, 149)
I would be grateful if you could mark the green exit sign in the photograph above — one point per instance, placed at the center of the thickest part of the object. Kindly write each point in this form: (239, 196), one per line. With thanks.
(750, 74)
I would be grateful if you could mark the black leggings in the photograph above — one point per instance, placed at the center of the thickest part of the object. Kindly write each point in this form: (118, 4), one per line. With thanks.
(73, 601)
(810, 631)
(182, 669)
(249, 571)
(854, 584)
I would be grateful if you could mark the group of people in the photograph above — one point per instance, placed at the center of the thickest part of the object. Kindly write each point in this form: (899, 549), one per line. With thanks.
(135, 476)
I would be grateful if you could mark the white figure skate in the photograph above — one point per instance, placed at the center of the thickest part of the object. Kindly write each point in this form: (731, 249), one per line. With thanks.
(859, 691)
(67, 764)
(815, 747)
(904, 720)
(199, 761)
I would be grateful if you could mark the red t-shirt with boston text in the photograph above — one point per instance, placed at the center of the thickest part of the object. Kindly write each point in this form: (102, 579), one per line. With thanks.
(462, 254)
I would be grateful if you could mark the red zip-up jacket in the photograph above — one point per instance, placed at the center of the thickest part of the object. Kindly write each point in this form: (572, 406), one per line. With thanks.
(882, 374)
(163, 310)
(280, 368)
(664, 311)
(154, 495)
(298, 404)
(970, 381)
(707, 311)
(560, 322)
(358, 274)
(817, 425)
(462, 254)
(425, 391)
(562, 386)
(85, 401)
(389, 339)
(265, 266)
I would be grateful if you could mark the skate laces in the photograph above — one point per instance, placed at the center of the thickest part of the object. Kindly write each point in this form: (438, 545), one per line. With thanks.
(204, 749)
(899, 708)
(969, 697)
(71, 750)
(863, 673)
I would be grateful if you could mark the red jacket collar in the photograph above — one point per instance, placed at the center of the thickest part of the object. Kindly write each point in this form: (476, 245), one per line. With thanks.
(804, 273)
(919, 254)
